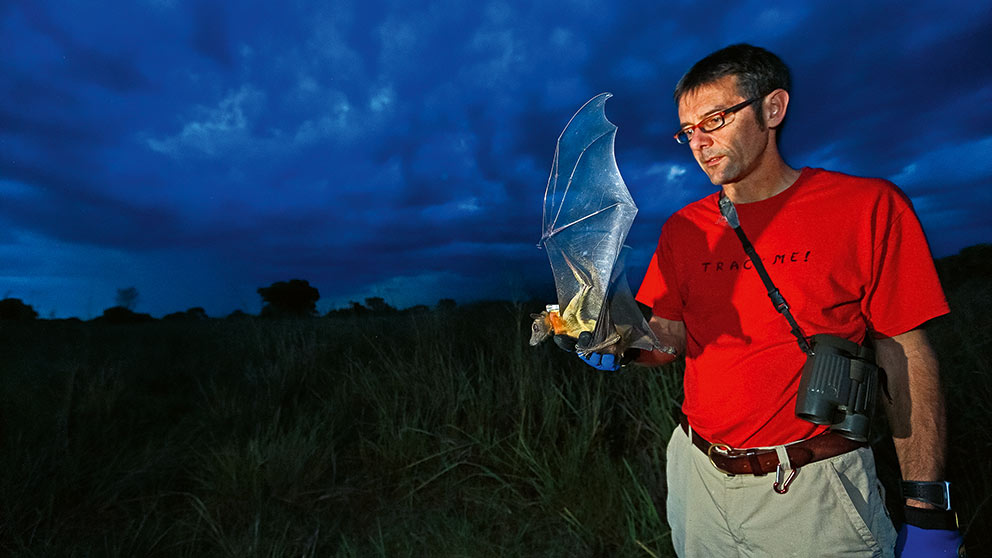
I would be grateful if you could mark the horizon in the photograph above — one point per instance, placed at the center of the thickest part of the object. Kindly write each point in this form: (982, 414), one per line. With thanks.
(371, 303)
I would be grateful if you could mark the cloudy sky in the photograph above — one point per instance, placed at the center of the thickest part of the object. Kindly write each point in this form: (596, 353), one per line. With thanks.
(198, 150)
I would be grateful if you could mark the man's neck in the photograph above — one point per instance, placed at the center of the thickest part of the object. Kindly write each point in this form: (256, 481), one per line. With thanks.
(767, 180)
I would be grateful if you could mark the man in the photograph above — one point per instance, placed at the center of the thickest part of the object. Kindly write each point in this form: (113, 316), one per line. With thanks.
(745, 474)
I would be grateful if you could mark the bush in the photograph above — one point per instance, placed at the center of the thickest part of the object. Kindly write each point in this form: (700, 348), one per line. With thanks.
(121, 315)
(14, 309)
(289, 298)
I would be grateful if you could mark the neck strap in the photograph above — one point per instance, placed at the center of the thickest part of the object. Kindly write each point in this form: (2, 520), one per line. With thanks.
(730, 214)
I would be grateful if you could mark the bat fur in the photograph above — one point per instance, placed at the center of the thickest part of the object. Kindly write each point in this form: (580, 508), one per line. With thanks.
(570, 321)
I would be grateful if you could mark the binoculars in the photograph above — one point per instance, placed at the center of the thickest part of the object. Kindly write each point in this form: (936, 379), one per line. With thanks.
(839, 385)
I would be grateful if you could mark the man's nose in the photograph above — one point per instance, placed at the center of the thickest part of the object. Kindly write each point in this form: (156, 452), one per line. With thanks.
(699, 139)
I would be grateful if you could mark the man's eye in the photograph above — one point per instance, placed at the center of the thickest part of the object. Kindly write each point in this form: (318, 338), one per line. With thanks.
(712, 123)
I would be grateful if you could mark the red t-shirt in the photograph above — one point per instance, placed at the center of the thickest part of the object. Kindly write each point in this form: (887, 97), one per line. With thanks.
(847, 253)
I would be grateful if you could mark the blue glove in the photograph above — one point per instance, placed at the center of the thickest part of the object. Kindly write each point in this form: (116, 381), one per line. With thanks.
(602, 361)
(606, 362)
(917, 542)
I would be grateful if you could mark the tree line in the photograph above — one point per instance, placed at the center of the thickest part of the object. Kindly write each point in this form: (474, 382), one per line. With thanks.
(295, 298)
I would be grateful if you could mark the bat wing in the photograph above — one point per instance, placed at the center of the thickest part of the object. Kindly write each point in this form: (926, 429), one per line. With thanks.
(587, 214)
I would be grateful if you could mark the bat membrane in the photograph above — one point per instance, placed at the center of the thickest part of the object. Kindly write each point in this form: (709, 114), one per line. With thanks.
(587, 214)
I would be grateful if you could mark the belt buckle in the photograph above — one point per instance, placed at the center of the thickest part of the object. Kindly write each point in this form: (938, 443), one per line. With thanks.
(724, 449)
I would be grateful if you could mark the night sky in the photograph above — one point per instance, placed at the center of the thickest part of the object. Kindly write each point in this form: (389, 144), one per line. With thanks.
(200, 150)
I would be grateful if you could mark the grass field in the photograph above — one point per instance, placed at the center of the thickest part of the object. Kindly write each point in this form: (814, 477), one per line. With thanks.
(434, 434)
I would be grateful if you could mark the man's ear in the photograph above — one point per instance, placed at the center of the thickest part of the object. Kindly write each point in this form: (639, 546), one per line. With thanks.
(775, 106)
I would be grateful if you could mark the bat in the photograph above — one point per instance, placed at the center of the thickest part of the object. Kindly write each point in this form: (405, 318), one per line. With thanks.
(587, 214)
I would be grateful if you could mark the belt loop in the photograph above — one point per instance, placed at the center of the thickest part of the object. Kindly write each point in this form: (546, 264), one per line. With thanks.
(783, 458)
(754, 462)
(781, 485)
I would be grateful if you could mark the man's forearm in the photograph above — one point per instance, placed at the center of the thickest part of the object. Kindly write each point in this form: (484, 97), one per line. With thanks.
(916, 413)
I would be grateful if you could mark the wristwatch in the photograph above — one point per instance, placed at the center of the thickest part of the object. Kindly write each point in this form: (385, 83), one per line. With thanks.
(937, 493)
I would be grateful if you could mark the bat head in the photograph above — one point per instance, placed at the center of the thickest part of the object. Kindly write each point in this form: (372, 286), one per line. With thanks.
(541, 328)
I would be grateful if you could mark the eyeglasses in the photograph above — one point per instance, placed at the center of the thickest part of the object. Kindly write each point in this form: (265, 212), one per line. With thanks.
(712, 122)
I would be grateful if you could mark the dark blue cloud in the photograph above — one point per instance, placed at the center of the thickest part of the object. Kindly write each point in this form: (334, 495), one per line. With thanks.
(199, 150)
(80, 59)
(210, 36)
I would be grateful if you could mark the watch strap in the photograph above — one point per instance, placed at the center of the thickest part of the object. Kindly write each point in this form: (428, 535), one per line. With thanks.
(937, 493)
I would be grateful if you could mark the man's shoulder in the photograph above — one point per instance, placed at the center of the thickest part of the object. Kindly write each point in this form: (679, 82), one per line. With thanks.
(857, 197)
(850, 184)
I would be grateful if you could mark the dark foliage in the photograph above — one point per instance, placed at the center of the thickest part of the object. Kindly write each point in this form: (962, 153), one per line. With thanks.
(122, 315)
(238, 315)
(14, 309)
(293, 298)
(193, 314)
(973, 263)
(379, 305)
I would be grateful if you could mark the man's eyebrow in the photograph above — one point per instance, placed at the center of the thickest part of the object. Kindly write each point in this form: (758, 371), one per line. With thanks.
(705, 114)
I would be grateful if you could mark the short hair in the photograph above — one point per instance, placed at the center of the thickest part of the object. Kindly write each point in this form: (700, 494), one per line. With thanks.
(758, 73)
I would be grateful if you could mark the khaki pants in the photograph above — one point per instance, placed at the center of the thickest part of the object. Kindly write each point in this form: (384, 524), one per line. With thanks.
(834, 507)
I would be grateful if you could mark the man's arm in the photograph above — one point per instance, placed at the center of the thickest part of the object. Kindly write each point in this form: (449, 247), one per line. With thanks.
(671, 334)
(916, 412)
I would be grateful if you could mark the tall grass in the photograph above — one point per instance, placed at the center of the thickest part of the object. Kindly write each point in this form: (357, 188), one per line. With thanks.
(438, 434)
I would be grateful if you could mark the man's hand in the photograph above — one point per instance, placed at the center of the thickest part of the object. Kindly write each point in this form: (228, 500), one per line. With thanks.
(670, 333)
(601, 361)
(916, 542)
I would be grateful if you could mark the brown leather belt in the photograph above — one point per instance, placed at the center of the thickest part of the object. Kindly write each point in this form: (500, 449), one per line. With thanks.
(751, 461)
